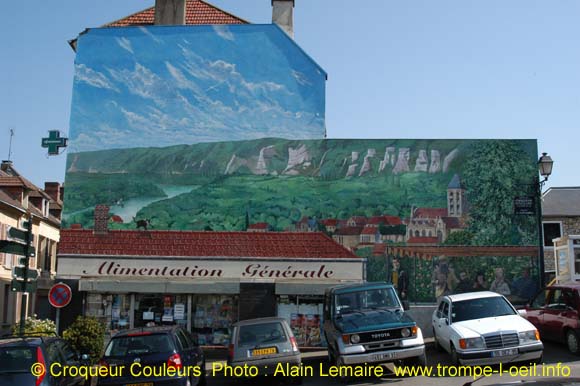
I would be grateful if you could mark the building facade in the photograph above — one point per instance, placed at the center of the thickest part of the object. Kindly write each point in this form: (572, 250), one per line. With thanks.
(19, 198)
(560, 217)
(204, 281)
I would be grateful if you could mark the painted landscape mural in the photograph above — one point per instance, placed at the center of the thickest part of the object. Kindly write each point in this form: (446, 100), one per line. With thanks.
(359, 192)
(221, 128)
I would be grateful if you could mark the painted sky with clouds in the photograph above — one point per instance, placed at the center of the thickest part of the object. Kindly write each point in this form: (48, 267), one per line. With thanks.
(163, 86)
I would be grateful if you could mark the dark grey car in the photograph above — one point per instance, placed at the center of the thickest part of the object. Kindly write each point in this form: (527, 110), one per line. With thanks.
(267, 344)
(19, 354)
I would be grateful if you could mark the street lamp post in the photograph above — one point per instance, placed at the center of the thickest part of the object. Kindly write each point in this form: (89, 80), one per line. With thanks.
(545, 164)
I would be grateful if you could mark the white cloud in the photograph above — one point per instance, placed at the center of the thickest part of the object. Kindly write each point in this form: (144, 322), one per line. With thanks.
(125, 44)
(148, 33)
(224, 32)
(93, 78)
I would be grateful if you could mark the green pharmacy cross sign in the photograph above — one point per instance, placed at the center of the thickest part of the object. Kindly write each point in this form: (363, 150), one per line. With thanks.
(54, 142)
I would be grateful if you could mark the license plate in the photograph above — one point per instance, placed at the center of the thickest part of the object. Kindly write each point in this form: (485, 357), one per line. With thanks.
(383, 356)
(503, 353)
(264, 351)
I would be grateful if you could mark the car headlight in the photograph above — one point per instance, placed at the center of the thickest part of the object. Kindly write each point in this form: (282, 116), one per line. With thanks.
(529, 336)
(471, 343)
(354, 338)
(407, 332)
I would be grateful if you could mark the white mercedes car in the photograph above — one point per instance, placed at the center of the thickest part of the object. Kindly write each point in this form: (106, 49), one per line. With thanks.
(483, 328)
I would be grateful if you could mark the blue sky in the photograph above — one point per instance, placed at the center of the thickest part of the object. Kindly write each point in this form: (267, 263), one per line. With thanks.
(163, 86)
(397, 69)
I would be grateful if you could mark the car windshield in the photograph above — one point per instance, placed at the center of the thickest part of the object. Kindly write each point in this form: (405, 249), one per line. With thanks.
(480, 308)
(257, 334)
(139, 345)
(16, 359)
(367, 299)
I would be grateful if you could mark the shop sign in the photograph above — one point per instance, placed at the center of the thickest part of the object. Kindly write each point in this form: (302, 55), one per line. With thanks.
(213, 269)
(524, 205)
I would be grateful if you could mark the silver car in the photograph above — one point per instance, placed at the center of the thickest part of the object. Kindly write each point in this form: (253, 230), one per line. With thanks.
(267, 344)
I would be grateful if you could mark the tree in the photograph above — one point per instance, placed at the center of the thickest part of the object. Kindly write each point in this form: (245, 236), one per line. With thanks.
(459, 238)
(495, 173)
(87, 336)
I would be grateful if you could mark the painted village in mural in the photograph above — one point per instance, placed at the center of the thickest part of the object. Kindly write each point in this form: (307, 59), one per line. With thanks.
(238, 151)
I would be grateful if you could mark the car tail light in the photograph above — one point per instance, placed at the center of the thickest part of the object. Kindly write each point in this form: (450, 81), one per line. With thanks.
(40, 359)
(293, 343)
(174, 361)
(231, 351)
(103, 363)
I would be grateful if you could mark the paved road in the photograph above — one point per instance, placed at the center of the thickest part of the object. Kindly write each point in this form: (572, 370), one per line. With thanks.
(553, 354)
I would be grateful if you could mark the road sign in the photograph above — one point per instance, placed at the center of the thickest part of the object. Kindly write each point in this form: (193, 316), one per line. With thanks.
(15, 248)
(32, 274)
(19, 235)
(21, 286)
(54, 142)
(59, 295)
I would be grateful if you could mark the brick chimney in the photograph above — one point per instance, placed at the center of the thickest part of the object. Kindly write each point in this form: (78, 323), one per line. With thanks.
(101, 220)
(170, 12)
(282, 14)
(53, 190)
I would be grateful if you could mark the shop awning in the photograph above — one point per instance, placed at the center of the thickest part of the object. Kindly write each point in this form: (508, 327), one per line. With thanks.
(160, 287)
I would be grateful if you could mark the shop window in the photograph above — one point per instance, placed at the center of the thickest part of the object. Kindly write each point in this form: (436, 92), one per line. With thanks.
(213, 317)
(304, 314)
(551, 230)
(112, 310)
(157, 310)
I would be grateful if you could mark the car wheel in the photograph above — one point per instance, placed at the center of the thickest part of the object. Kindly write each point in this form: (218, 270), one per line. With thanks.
(436, 342)
(572, 342)
(331, 358)
(201, 381)
(454, 356)
(296, 380)
(338, 363)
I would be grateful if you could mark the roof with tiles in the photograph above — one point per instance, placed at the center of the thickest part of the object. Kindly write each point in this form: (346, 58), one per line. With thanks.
(349, 231)
(200, 244)
(423, 240)
(430, 212)
(197, 12)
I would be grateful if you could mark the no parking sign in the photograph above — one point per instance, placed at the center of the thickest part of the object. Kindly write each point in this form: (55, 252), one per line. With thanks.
(59, 295)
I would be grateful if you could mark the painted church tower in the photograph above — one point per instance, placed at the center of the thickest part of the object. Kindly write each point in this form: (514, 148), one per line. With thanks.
(456, 205)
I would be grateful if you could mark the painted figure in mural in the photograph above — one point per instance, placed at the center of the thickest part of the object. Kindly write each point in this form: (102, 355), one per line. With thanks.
(400, 279)
(444, 277)
(480, 284)
(500, 285)
(465, 284)
(525, 286)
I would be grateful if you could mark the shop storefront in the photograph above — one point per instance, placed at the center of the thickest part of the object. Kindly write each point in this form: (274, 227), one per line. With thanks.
(206, 294)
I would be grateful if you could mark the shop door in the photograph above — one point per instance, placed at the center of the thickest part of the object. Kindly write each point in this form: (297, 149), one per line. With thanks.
(257, 300)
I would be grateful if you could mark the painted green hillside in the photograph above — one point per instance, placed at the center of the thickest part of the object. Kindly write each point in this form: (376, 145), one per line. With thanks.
(226, 185)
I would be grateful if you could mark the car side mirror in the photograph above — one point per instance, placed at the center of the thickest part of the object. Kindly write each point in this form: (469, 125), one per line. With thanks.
(406, 305)
(447, 321)
(523, 313)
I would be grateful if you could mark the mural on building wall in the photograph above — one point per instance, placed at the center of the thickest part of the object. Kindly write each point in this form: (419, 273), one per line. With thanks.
(360, 192)
(173, 85)
(185, 129)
